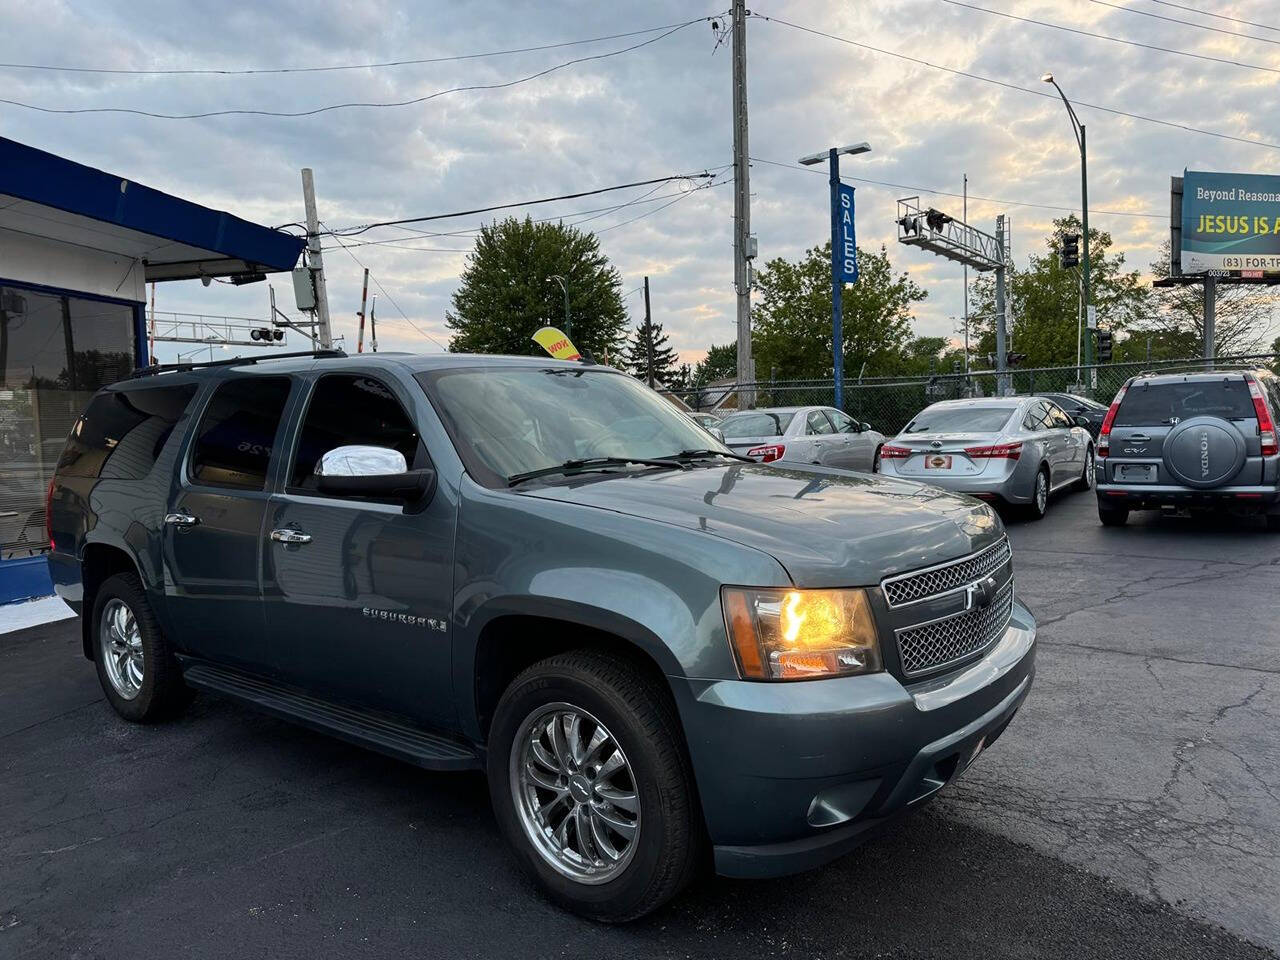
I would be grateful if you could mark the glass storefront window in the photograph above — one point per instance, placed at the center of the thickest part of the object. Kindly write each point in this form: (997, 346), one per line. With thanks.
(55, 351)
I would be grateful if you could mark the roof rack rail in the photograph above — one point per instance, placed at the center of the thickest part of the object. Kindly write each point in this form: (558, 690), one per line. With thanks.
(232, 362)
(1197, 366)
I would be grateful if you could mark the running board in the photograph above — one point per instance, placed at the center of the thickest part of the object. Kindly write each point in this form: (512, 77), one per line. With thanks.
(387, 735)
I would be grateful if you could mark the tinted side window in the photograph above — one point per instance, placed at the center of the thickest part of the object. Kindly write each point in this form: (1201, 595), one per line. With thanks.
(818, 424)
(122, 432)
(237, 434)
(1150, 404)
(347, 409)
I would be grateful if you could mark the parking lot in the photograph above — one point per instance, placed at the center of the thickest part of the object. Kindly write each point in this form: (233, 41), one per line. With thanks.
(1132, 809)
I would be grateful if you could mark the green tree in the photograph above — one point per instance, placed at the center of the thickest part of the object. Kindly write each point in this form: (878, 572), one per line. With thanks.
(792, 321)
(636, 356)
(1243, 317)
(720, 363)
(1045, 300)
(506, 291)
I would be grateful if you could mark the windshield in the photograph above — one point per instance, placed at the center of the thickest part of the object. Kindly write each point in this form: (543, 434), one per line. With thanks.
(513, 420)
(960, 420)
(1147, 404)
(754, 424)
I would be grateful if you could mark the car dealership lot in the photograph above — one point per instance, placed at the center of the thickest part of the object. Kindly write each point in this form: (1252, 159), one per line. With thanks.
(1147, 755)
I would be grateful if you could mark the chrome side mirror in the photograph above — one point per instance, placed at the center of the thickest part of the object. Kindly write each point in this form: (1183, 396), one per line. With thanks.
(360, 460)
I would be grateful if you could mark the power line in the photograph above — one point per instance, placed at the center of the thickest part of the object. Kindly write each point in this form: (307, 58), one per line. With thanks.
(1013, 86)
(947, 193)
(1219, 16)
(1111, 39)
(1189, 23)
(650, 213)
(366, 227)
(211, 71)
(378, 284)
(353, 105)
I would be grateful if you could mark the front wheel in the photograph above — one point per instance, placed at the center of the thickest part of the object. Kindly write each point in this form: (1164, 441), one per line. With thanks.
(1087, 477)
(591, 785)
(875, 461)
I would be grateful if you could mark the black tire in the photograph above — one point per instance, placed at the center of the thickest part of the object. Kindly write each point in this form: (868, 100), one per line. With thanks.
(162, 693)
(639, 713)
(1087, 475)
(1038, 507)
(875, 459)
(1112, 516)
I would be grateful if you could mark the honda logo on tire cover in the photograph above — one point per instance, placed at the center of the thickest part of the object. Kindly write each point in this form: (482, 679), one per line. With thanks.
(1204, 453)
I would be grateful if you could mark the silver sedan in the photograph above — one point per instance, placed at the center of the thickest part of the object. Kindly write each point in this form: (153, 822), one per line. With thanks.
(1013, 449)
(822, 435)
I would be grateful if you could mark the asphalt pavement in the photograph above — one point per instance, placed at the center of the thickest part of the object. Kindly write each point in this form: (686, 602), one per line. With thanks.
(1131, 810)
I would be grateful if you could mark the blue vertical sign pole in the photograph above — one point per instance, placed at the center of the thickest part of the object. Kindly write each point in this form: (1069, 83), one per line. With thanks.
(844, 266)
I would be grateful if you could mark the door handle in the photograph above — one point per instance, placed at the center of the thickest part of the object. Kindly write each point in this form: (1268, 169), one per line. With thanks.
(286, 535)
(181, 519)
(1140, 438)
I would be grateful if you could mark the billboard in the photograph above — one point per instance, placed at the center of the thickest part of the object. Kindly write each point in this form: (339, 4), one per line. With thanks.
(1230, 224)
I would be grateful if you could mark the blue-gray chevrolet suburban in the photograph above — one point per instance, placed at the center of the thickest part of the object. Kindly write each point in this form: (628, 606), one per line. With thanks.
(663, 656)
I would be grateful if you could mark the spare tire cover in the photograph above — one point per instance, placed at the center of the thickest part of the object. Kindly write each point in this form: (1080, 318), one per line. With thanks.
(1204, 452)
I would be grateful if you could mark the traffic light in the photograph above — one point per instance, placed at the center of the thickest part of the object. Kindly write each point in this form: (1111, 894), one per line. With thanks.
(936, 219)
(1013, 359)
(262, 333)
(1104, 346)
(1070, 250)
(957, 366)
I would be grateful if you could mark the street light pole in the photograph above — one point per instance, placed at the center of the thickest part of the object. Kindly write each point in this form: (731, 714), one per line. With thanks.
(568, 320)
(1078, 129)
(832, 156)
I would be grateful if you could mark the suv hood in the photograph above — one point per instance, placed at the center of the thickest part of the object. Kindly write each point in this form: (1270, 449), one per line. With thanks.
(828, 528)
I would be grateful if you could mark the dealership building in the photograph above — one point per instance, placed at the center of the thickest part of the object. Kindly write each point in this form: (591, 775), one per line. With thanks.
(78, 247)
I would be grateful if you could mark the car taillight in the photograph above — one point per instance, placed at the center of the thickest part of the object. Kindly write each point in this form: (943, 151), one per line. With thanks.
(890, 452)
(996, 451)
(48, 514)
(1104, 435)
(768, 453)
(1266, 426)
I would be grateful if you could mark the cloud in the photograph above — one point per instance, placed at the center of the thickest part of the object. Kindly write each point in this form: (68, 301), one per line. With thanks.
(658, 110)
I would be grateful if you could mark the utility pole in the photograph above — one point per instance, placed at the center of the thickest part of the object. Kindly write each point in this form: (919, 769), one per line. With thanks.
(373, 324)
(742, 205)
(1002, 377)
(1210, 311)
(966, 288)
(364, 296)
(315, 260)
(648, 335)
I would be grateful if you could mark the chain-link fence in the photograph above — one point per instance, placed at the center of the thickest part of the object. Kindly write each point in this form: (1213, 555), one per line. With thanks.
(888, 403)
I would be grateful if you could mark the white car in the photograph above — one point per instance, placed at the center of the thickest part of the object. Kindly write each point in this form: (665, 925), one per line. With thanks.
(822, 435)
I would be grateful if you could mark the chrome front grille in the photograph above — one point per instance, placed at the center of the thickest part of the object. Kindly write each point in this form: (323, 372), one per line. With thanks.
(910, 587)
(931, 646)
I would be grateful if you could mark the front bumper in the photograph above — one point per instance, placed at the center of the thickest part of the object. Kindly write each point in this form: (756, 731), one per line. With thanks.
(792, 775)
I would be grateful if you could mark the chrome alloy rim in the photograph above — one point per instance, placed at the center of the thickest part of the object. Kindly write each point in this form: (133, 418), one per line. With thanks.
(120, 646)
(1042, 492)
(575, 793)
(1088, 469)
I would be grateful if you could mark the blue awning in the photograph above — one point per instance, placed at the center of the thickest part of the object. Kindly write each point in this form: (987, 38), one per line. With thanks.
(50, 196)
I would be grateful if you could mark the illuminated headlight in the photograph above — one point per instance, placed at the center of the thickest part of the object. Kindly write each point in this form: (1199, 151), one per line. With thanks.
(780, 634)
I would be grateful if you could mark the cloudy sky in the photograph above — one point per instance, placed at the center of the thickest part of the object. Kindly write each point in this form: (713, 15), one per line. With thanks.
(658, 110)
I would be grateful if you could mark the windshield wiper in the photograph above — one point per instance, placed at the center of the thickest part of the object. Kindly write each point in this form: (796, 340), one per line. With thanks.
(592, 463)
(703, 454)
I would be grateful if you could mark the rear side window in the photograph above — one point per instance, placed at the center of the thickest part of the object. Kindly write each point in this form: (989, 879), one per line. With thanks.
(237, 434)
(122, 432)
(1152, 404)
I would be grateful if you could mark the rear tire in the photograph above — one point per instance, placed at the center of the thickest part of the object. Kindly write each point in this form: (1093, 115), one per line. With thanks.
(875, 460)
(1039, 505)
(624, 877)
(136, 667)
(1112, 516)
(1087, 477)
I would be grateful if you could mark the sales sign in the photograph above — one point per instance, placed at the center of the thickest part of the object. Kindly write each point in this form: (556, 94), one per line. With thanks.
(846, 257)
(1230, 223)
